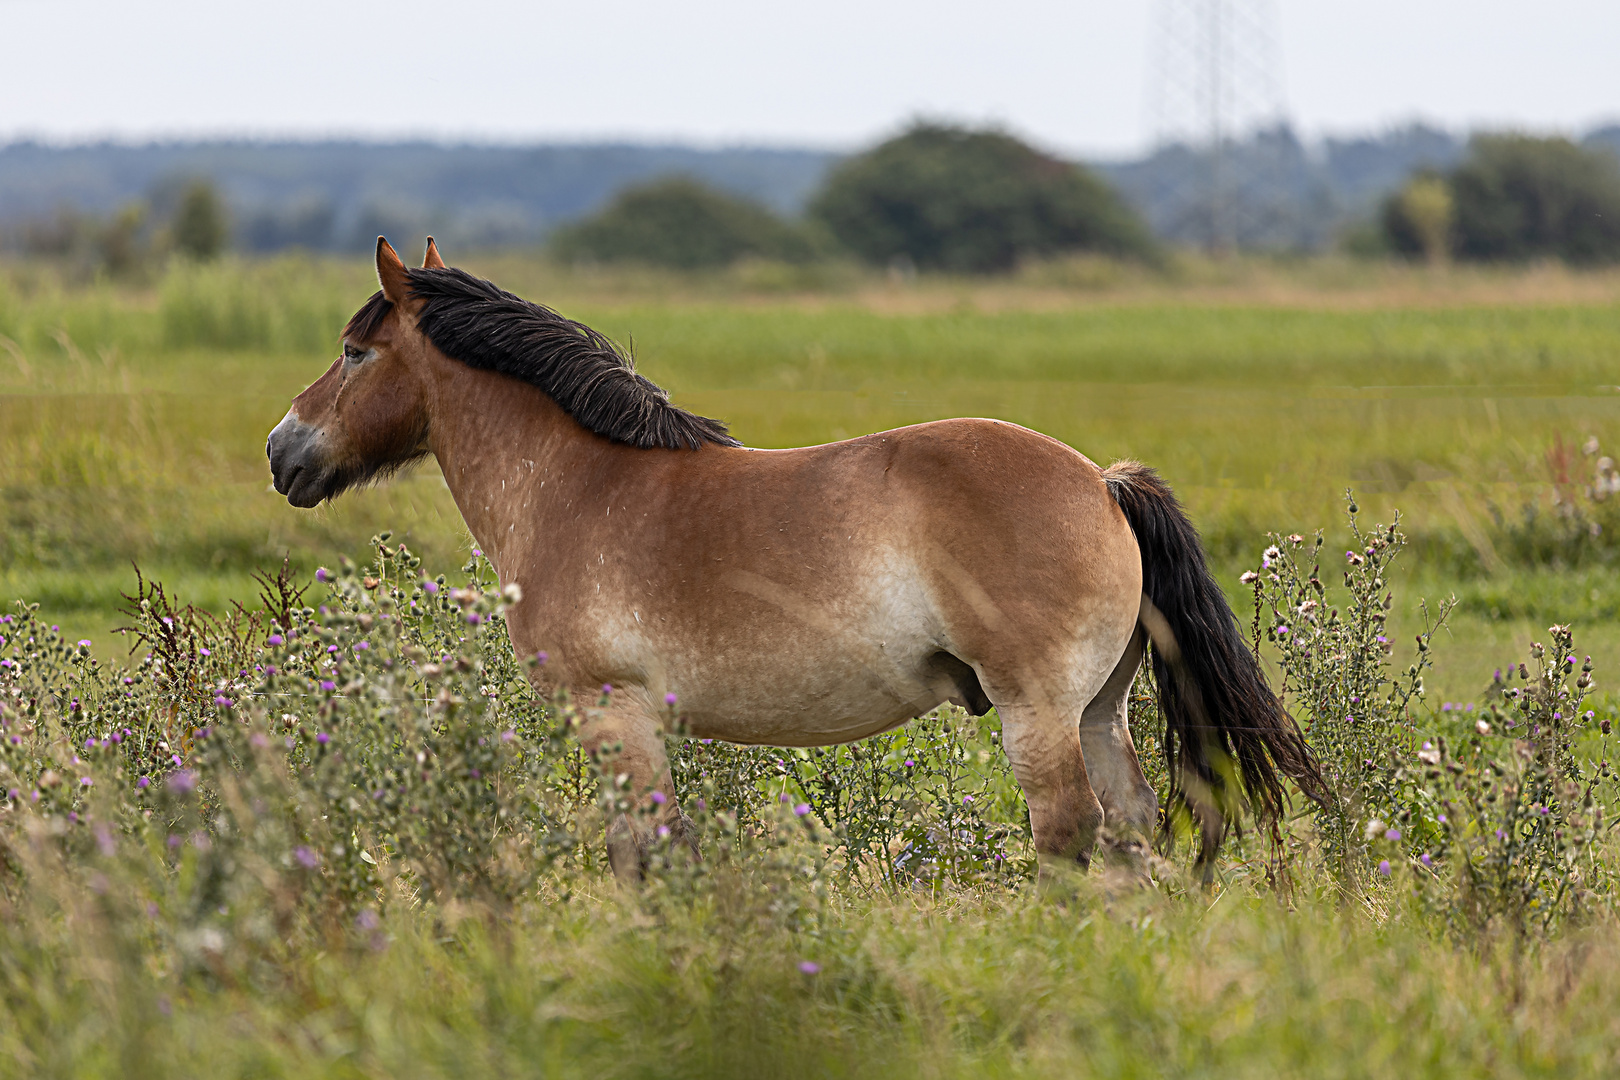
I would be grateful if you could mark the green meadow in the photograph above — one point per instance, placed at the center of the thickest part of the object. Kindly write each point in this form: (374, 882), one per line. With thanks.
(351, 843)
(132, 418)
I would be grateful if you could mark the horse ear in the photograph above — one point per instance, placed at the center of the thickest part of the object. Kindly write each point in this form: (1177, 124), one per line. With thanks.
(391, 273)
(431, 260)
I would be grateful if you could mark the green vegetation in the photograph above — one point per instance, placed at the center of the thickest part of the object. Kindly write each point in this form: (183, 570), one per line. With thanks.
(947, 198)
(680, 223)
(345, 840)
(1514, 198)
(301, 894)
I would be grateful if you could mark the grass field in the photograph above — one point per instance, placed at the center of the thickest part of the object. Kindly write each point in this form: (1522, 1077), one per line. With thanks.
(261, 912)
(132, 420)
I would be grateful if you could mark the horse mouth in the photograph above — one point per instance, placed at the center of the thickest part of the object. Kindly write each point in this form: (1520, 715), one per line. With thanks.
(289, 449)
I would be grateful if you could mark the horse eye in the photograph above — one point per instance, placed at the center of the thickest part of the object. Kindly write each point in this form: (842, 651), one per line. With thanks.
(352, 353)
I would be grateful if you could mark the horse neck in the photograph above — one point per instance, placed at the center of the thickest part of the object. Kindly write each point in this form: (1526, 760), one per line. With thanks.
(507, 451)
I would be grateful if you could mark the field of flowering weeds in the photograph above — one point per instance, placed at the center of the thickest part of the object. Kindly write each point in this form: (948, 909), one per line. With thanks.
(333, 833)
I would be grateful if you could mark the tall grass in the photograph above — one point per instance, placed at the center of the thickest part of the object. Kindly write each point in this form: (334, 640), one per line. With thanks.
(334, 834)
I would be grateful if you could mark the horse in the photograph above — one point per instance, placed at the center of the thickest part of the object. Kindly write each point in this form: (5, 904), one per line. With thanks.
(809, 596)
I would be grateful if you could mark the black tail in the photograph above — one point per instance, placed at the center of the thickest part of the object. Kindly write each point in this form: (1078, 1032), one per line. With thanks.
(1219, 714)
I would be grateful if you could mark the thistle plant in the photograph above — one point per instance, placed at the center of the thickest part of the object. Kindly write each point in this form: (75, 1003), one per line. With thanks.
(1333, 655)
(1517, 797)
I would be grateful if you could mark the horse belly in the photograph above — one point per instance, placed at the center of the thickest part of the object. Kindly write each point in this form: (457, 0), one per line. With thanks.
(815, 677)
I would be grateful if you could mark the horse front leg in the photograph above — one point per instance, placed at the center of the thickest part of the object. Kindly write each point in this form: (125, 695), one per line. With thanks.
(626, 740)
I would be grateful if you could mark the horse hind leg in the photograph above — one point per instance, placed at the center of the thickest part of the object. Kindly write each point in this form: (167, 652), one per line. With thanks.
(1130, 805)
(1042, 742)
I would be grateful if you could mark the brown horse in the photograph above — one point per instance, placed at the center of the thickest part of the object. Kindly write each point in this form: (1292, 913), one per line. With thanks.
(800, 597)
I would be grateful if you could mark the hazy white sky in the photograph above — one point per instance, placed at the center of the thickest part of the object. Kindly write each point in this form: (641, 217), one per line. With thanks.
(834, 73)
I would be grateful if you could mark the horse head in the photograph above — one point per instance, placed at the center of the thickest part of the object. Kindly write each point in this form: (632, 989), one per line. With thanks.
(368, 415)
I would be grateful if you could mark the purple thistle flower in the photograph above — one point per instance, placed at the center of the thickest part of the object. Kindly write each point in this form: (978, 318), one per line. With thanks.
(670, 699)
(607, 688)
(274, 639)
(508, 735)
(1383, 867)
(222, 701)
(1392, 834)
(1500, 835)
(802, 809)
(430, 587)
(84, 643)
(542, 656)
(323, 738)
(362, 646)
(323, 574)
(809, 967)
(473, 618)
(306, 858)
(1425, 860)
(143, 782)
(182, 782)
(328, 684)
(85, 781)
(910, 764)
(477, 554)
(659, 797)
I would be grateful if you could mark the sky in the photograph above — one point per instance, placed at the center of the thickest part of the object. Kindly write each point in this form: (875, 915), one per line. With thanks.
(1074, 76)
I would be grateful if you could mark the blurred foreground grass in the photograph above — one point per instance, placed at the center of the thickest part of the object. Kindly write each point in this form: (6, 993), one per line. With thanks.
(132, 420)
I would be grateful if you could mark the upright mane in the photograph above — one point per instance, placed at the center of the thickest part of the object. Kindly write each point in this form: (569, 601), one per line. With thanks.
(470, 320)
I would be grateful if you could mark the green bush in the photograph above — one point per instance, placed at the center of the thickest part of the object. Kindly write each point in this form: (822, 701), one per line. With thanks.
(1515, 198)
(948, 198)
(679, 222)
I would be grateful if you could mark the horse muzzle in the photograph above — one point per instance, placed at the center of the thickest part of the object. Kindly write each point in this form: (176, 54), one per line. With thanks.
(296, 465)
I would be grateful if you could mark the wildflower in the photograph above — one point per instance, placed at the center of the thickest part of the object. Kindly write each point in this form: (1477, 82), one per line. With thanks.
(85, 781)
(84, 643)
(1500, 835)
(182, 782)
(508, 735)
(1249, 577)
(205, 652)
(659, 797)
(367, 919)
(306, 858)
(323, 574)
(542, 656)
(1383, 867)
(222, 701)
(1282, 631)
(430, 587)
(328, 684)
(1425, 860)
(663, 832)
(809, 967)
(1270, 555)
(802, 809)
(323, 738)
(910, 764)
(473, 618)
(477, 554)
(607, 689)
(1442, 819)
(670, 699)
(274, 639)
(1392, 834)
(362, 646)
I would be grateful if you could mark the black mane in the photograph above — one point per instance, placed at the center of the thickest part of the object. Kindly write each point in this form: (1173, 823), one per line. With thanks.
(470, 320)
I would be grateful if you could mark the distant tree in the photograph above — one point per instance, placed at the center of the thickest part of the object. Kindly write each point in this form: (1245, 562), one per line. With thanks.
(679, 222)
(122, 242)
(1418, 219)
(1516, 197)
(199, 222)
(950, 198)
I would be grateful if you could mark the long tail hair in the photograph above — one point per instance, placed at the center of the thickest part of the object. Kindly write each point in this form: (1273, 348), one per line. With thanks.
(1220, 717)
